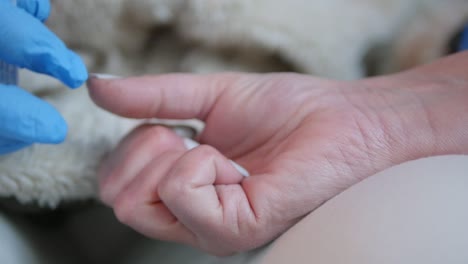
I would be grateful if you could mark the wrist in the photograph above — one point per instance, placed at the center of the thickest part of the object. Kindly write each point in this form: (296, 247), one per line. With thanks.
(444, 104)
(429, 110)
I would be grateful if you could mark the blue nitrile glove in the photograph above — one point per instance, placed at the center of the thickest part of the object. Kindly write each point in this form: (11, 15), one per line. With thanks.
(464, 40)
(26, 42)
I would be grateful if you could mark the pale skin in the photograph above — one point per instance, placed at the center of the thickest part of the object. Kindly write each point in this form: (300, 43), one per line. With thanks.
(303, 140)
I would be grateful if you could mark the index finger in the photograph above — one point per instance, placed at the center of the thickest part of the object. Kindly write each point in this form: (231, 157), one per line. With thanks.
(178, 96)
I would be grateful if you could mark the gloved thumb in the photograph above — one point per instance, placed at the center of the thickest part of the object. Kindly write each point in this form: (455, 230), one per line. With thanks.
(28, 119)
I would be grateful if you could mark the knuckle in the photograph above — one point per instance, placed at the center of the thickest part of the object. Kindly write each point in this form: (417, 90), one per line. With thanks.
(123, 209)
(152, 136)
(105, 191)
(168, 189)
(204, 153)
(181, 185)
(104, 196)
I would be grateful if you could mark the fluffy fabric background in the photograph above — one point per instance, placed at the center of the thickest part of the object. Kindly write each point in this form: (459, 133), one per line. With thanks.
(342, 39)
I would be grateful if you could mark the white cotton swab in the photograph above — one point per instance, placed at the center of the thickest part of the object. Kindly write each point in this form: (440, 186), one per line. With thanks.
(191, 144)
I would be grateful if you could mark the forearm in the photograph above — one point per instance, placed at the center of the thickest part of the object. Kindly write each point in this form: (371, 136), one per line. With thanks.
(454, 66)
(429, 109)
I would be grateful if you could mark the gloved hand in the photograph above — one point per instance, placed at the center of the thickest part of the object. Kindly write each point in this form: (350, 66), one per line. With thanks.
(463, 45)
(26, 42)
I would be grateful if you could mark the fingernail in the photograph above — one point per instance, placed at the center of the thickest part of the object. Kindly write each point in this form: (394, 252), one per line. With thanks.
(104, 76)
(184, 131)
(191, 144)
(240, 169)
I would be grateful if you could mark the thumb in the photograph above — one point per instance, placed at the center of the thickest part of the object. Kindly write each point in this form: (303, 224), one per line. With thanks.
(176, 96)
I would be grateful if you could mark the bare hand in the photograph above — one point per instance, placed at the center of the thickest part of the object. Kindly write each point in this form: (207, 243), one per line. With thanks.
(304, 140)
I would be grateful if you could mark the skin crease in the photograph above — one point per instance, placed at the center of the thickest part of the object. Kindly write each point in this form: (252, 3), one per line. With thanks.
(303, 139)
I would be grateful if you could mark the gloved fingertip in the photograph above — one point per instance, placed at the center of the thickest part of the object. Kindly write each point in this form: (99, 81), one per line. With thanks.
(43, 10)
(54, 132)
(47, 125)
(30, 44)
(76, 74)
(80, 74)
